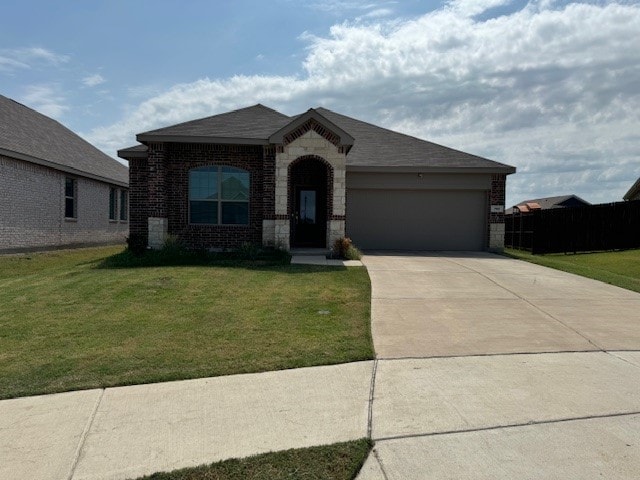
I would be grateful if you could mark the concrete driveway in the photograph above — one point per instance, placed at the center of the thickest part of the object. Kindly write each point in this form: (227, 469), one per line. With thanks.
(494, 368)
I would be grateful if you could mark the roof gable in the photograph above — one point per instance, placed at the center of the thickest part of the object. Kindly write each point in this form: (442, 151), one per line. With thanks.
(312, 120)
(30, 136)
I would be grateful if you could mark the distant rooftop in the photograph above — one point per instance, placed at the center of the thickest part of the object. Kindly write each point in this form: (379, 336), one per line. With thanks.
(545, 203)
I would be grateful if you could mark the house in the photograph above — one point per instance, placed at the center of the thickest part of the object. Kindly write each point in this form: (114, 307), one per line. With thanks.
(561, 201)
(256, 175)
(56, 190)
(634, 192)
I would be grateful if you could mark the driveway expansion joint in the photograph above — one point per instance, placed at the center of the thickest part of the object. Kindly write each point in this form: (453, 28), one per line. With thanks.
(507, 426)
(83, 437)
(371, 392)
(376, 455)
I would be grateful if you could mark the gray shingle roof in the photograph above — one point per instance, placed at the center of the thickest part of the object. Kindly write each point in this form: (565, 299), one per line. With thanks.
(377, 146)
(373, 147)
(257, 123)
(31, 136)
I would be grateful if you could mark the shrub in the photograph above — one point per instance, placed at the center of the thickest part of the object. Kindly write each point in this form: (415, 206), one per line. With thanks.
(340, 246)
(353, 253)
(136, 244)
(248, 251)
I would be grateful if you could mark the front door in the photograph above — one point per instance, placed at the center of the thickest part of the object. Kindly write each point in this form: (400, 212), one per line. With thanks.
(309, 218)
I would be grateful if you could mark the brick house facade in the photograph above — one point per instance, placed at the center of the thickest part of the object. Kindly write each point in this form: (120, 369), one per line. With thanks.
(296, 173)
(58, 192)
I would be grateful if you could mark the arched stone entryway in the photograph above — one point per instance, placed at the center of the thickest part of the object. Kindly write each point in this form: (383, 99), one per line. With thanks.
(310, 201)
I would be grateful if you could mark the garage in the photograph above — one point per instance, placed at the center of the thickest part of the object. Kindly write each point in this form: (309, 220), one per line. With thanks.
(406, 217)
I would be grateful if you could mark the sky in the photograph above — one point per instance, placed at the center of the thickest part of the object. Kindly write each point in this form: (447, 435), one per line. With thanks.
(550, 87)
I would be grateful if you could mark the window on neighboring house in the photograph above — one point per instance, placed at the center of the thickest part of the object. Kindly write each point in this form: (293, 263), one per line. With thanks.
(124, 205)
(70, 197)
(113, 199)
(219, 196)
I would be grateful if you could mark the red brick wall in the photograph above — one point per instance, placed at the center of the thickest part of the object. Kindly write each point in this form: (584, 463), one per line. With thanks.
(138, 198)
(180, 158)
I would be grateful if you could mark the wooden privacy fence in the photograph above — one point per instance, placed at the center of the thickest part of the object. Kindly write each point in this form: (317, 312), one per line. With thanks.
(608, 226)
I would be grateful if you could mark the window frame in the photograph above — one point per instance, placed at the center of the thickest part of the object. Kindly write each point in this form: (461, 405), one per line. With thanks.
(123, 211)
(113, 204)
(73, 198)
(219, 200)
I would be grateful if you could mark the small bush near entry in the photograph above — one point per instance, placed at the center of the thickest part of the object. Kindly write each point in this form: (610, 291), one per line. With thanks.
(343, 248)
(353, 253)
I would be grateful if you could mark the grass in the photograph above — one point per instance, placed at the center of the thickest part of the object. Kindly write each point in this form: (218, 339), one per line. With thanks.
(67, 322)
(340, 461)
(620, 268)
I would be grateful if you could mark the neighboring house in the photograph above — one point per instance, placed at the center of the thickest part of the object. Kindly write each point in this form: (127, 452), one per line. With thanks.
(56, 189)
(561, 201)
(634, 192)
(256, 175)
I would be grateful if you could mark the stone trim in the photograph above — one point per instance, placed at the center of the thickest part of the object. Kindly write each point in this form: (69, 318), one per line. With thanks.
(495, 220)
(309, 125)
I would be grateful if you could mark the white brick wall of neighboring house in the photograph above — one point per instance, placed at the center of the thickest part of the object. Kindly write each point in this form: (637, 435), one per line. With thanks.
(32, 199)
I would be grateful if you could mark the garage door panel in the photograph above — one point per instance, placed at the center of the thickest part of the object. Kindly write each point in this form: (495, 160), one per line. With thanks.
(417, 219)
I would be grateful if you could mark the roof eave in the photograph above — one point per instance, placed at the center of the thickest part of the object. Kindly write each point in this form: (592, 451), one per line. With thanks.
(635, 188)
(145, 138)
(61, 168)
(506, 169)
(126, 155)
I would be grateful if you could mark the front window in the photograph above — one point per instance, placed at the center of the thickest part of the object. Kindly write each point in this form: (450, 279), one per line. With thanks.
(70, 197)
(219, 196)
(124, 205)
(112, 203)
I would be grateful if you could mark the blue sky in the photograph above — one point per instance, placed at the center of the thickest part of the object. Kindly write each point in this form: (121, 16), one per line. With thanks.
(550, 87)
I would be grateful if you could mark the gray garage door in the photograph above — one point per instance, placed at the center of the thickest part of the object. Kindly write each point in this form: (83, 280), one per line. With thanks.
(417, 219)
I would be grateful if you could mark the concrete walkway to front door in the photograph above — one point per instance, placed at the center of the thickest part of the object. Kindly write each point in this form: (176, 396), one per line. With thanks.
(493, 368)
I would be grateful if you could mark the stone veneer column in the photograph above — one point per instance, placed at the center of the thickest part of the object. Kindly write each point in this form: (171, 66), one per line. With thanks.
(336, 224)
(158, 223)
(310, 143)
(496, 212)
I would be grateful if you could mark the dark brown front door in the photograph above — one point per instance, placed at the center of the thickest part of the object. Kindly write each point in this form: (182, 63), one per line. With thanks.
(309, 218)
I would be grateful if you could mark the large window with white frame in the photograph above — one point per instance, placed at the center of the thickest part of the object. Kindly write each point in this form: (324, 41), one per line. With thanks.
(219, 195)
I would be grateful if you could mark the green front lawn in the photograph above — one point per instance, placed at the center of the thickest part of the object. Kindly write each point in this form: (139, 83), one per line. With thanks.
(66, 323)
(340, 461)
(617, 268)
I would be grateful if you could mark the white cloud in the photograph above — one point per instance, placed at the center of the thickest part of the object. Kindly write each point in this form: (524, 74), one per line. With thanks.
(12, 59)
(93, 80)
(378, 13)
(46, 99)
(551, 90)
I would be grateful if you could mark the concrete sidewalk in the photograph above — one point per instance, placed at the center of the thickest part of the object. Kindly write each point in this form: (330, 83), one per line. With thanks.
(127, 432)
